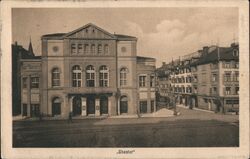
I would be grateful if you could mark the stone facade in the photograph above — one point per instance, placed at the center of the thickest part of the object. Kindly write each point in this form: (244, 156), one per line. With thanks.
(89, 72)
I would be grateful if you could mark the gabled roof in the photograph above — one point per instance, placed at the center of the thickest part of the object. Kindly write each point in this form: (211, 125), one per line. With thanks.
(60, 36)
(141, 58)
(218, 54)
(86, 26)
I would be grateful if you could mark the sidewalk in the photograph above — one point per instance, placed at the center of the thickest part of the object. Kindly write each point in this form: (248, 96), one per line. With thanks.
(162, 113)
(187, 107)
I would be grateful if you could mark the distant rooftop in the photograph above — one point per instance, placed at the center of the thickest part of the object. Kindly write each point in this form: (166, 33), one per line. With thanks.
(142, 58)
(54, 35)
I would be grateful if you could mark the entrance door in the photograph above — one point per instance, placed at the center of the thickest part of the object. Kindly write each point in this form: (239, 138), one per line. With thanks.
(90, 105)
(35, 110)
(124, 104)
(56, 107)
(104, 105)
(77, 106)
(143, 106)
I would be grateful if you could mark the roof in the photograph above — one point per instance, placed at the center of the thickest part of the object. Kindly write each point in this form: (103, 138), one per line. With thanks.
(142, 58)
(55, 35)
(220, 53)
(124, 37)
(63, 35)
(25, 54)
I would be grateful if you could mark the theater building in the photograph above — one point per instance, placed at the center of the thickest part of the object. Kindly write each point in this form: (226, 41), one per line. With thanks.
(89, 72)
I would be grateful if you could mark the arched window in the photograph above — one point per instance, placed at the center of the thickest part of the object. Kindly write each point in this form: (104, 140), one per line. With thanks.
(104, 76)
(55, 77)
(123, 76)
(76, 76)
(106, 49)
(90, 76)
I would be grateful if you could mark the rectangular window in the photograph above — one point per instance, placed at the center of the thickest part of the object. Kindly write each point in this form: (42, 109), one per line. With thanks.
(34, 82)
(86, 48)
(195, 78)
(77, 79)
(232, 101)
(214, 90)
(80, 49)
(227, 77)
(237, 90)
(73, 48)
(143, 106)
(227, 65)
(228, 91)
(152, 84)
(214, 77)
(106, 49)
(90, 77)
(103, 79)
(25, 82)
(236, 77)
(237, 65)
(195, 89)
(142, 81)
(55, 78)
(92, 49)
(99, 49)
(123, 78)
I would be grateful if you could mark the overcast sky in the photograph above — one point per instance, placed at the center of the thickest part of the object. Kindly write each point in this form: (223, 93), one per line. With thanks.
(163, 33)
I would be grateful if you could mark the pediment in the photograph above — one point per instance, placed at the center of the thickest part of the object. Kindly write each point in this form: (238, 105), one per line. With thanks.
(90, 31)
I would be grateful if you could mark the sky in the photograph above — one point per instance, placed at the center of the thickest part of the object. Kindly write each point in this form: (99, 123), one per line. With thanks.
(163, 33)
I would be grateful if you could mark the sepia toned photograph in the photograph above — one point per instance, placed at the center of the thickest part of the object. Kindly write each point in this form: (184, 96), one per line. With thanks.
(126, 78)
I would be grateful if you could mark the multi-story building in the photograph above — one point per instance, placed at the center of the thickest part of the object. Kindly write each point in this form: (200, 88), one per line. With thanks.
(89, 72)
(18, 54)
(163, 80)
(207, 79)
(217, 78)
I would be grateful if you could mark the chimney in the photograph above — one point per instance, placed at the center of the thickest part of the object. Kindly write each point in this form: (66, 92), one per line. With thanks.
(199, 51)
(234, 44)
(16, 43)
(205, 50)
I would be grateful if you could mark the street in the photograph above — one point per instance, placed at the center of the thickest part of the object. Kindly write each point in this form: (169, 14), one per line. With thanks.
(192, 128)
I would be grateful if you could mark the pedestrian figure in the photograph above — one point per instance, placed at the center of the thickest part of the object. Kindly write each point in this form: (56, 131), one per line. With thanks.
(70, 117)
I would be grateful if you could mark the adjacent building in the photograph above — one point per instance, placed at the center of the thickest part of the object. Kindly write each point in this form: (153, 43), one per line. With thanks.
(89, 72)
(207, 79)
